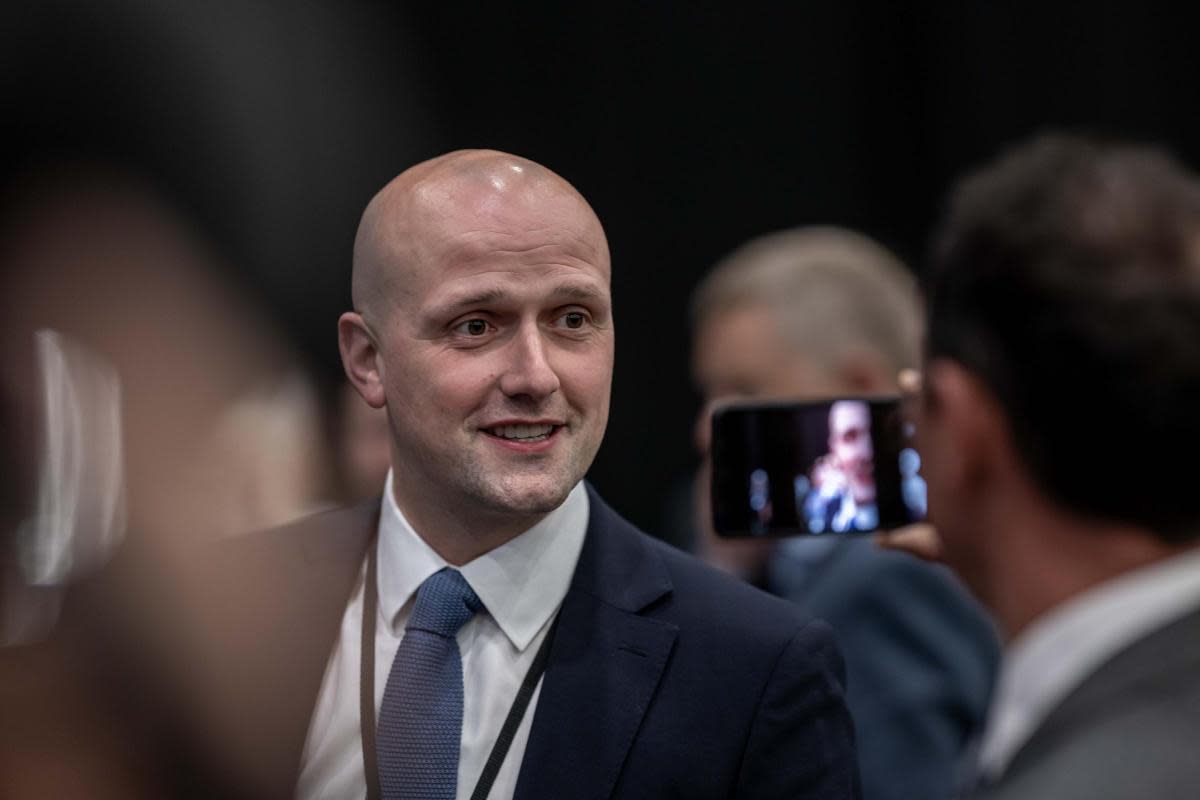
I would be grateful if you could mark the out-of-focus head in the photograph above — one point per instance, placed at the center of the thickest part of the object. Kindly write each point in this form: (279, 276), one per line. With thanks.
(850, 445)
(810, 312)
(483, 324)
(804, 313)
(214, 433)
(1064, 302)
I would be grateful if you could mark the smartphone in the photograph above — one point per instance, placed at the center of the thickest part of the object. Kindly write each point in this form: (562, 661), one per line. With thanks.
(840, 466)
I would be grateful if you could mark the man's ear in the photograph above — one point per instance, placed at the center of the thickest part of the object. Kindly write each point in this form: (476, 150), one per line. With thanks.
(967, 421)
(360, 358)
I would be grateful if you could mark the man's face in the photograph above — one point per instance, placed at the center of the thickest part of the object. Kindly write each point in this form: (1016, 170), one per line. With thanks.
(496, 354)
(743, 353)
(850, 444)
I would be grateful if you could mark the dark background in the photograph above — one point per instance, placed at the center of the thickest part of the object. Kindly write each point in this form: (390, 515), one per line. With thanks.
(690, 127)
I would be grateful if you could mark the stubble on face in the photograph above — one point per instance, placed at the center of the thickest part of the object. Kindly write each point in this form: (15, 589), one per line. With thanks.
(510, 232)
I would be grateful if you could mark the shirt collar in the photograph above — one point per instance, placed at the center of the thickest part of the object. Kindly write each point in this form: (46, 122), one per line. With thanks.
(521, 582)
(1057, 652)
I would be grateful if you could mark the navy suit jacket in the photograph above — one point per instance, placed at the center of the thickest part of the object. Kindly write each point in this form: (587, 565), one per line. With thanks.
(665, 678)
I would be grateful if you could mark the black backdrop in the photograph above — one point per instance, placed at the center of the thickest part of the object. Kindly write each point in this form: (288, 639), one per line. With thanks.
(689, 126)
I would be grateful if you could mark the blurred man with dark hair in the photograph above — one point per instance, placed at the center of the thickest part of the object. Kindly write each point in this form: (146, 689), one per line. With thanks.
(1063, 365)
(823, 312)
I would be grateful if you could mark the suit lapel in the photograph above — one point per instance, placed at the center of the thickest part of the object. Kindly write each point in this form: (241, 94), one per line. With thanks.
(605, 664)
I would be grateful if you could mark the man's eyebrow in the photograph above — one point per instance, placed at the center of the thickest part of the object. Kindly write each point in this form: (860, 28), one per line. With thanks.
(481, 297)
(484, 297)
(581, 292)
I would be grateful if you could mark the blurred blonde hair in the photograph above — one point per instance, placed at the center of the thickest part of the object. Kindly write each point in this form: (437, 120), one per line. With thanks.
(832, 290)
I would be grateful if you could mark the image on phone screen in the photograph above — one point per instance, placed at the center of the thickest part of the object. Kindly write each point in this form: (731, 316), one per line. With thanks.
(841, 466)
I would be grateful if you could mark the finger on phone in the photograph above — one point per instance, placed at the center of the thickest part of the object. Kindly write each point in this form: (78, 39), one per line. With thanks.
(909, 381)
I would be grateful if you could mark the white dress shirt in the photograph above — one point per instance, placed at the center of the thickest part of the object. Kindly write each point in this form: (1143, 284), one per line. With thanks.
(522, 584)
(1061, 648)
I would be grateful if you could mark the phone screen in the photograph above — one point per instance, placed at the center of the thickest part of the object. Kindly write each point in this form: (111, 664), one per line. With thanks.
(841, 466)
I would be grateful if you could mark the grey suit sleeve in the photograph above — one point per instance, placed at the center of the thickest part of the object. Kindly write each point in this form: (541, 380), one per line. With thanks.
(801, 744)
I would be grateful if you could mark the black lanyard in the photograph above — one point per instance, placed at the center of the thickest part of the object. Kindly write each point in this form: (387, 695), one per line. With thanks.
(366, 699)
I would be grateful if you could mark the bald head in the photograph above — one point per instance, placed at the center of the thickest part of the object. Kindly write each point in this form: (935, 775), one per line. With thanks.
(483, 324)
(430, 212)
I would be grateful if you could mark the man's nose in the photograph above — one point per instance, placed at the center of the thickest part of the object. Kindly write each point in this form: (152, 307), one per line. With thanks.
(528, 371)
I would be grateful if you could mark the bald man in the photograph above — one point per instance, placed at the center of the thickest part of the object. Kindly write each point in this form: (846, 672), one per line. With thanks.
(521, 639)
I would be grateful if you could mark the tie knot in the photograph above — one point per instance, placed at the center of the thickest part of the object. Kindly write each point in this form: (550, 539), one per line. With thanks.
(445, 601)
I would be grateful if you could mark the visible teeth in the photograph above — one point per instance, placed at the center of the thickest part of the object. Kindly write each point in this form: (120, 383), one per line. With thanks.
(524, 432)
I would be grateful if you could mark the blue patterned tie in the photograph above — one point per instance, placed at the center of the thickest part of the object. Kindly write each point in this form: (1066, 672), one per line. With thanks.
(420, 718)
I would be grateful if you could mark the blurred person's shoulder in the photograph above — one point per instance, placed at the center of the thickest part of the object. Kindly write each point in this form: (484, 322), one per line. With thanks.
(263, 611)
(853, 569)
(312, 539)
(875, 591)
(263, 581)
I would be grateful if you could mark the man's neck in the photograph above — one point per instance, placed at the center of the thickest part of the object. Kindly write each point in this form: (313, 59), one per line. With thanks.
(1046, 560)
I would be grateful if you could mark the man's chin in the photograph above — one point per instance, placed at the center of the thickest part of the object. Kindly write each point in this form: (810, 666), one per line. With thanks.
(527, 488)
(530, 500)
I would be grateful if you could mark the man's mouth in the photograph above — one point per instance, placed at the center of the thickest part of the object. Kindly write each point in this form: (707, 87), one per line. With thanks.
(523, 433)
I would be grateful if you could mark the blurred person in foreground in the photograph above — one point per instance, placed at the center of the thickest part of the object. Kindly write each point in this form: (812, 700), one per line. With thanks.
(483, 324)
(816, 313)
(1063, 362)
(146, 405)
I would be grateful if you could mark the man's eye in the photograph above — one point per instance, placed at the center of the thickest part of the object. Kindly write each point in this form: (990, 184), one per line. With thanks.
(574, 320)
(472, 327)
